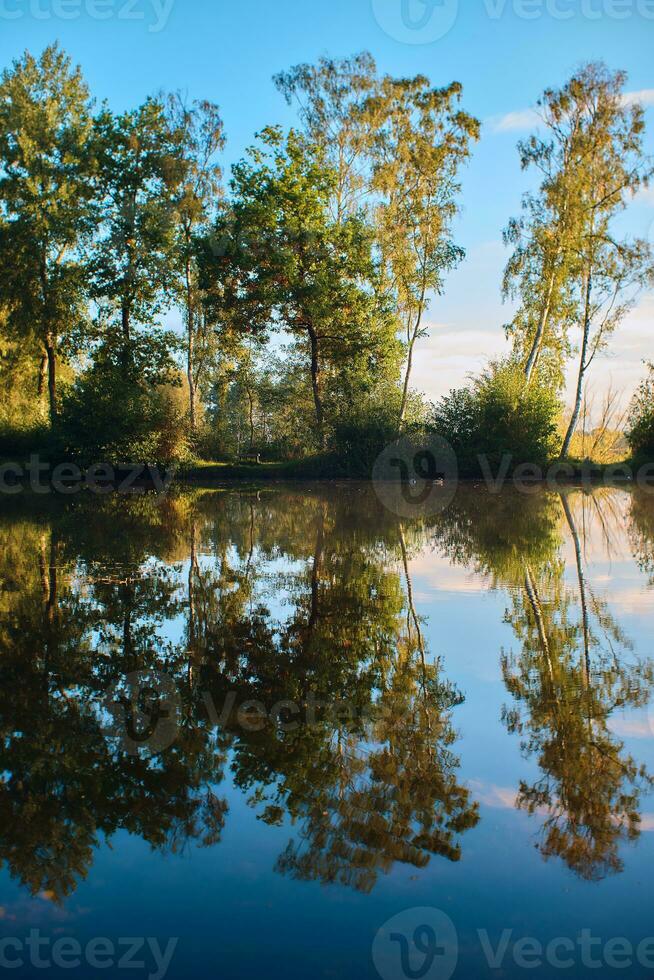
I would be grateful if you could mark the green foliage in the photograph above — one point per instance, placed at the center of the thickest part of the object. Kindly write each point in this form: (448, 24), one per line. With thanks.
(640, 431)
(363, 432)
(139, 173)
(295, 266)
(304, 291)
(495, 416)
(46, 192)
(127, 407)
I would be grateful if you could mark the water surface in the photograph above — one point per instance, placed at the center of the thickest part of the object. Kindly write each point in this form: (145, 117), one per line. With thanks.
(339, 716)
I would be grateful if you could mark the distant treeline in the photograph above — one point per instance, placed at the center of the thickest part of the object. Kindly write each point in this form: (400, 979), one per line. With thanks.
(303, 284)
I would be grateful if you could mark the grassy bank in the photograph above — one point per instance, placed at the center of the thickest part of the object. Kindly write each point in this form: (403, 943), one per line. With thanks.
(328, 467)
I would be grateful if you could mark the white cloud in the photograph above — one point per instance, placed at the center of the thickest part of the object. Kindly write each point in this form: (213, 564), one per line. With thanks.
(631, 727)
(645, 96)
(448, 357)
(514, 121)
(523, 119)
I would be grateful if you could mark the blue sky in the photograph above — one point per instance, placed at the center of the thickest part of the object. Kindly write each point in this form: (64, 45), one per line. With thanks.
(504, 52)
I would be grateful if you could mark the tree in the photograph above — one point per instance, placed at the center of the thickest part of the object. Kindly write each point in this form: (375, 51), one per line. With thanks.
(140, 173)
(202, 137)
(541, 268)
(610, 269)
(46, 192)
(396, 146)
(301, 270)
(331, 97)
(568, 265)
(420, 139)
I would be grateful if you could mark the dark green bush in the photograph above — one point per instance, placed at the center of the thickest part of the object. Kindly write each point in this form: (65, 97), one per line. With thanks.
(640, 429)
(128, 407)
(362, 431)
(496, 416)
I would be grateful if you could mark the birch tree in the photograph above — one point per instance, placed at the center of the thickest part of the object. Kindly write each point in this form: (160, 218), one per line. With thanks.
(421, 139)
(611, 169)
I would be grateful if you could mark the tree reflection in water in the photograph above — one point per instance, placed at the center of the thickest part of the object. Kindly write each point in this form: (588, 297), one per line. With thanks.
(288, 622)
(574, 671)
(94, 592)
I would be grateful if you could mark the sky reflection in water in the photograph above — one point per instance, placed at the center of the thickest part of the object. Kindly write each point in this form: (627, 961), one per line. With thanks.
(369, 715)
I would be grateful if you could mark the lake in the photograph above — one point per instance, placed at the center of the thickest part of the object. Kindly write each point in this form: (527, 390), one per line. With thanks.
(285, 732)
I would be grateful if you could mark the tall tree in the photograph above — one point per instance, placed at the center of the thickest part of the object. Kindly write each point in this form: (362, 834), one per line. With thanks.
(540, 271)
(310, 274)
(331, 97)
(202, 137)
(569, 268)
(421, 139)
(396, 146)
(140, 173)
(46, 191)
(611, 269)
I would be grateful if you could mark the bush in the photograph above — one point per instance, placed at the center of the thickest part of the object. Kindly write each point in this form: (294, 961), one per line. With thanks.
(364, 425)
(640, 427)
(495, 416)
(358, 443)
(128, 407)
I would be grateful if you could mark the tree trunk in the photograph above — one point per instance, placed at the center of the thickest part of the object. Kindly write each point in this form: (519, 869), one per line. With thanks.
(190, 351)
(407, 376)
(582, 369)
(536, 347)
(413, 336)
(315, 385)
(51, 355)
(251, 419)
(125, 321)
(43, 371)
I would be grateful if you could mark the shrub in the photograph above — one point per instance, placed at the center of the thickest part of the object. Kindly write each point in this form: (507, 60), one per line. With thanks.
(363, 427)
(497, 415)
(640, 428)
(128, 407)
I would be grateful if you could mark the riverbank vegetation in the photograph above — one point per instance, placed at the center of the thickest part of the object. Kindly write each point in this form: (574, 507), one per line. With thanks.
(153, 308)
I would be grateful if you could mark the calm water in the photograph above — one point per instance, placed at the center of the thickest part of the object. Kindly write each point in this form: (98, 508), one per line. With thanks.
(266, 723)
